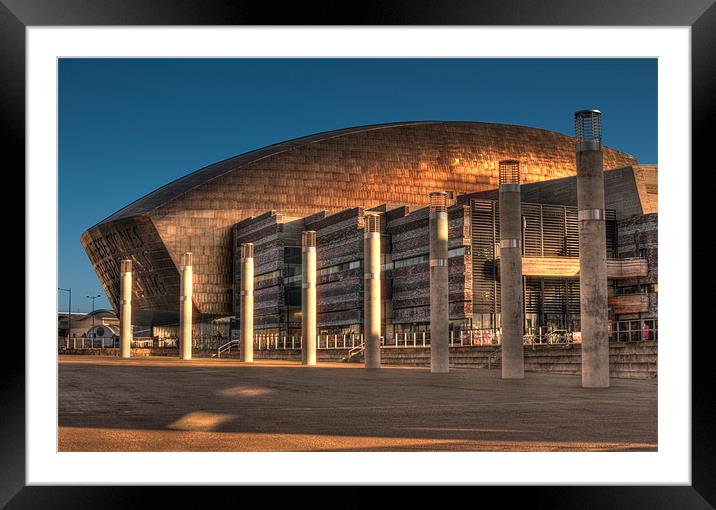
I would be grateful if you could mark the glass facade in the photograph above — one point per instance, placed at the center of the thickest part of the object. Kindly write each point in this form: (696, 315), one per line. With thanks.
(292, 290)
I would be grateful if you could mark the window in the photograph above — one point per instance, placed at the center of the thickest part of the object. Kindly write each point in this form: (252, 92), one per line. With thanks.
(266, 276)
(421, 259)
(339, 267)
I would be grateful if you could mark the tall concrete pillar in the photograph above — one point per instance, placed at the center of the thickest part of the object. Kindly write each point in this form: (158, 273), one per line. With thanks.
(185, 310)
(592, 250)
(308, 297)
(125, 308)
(439, 313)
(247, 302)
(371, 290)
(513, 365)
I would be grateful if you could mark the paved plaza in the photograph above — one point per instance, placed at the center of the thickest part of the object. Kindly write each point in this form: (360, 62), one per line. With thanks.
(164, 404)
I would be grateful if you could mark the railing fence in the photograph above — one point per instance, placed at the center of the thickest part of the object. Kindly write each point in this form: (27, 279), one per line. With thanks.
(620, 331)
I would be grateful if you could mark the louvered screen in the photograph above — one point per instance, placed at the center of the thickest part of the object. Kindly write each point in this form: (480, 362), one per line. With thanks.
(573, 297)
(559, 296)
(549, 231)
(553, 231)
(533, 296)
(532, 229)
(572, 229)
(554, 296)
(610, 226)
(485, 233)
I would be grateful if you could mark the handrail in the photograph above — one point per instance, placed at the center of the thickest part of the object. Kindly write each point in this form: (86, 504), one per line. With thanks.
(226, 347)
(497, 354)
(358, 349)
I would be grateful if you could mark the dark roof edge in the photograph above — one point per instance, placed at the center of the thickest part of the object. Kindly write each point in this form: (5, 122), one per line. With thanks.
(306, 138)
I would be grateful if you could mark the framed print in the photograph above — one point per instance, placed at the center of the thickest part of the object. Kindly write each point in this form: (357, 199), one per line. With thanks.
(416, 247)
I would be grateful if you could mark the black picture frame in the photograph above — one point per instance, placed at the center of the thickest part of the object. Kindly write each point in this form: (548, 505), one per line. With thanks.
(16, 15)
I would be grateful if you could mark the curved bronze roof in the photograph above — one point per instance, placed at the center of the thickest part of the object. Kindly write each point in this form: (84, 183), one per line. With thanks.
(531, 139)
(197, 178)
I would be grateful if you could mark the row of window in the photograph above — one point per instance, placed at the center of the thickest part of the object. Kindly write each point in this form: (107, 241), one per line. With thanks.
(421, 259)
(267, 276)
(397, 264)
(634, 289)
(327, 270)
(339, 267)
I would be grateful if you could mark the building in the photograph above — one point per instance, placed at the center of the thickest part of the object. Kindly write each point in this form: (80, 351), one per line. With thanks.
(327, 182)
(100, 324)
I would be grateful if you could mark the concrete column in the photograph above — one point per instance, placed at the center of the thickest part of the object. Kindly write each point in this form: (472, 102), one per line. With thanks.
(439, 313)
(513, 365)
(185, 310)
(592, 250)
(125, 309)
(371, 290)
(247, 302)
(308, 297)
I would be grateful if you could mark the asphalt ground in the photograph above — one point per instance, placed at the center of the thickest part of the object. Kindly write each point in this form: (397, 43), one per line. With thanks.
(165, 404)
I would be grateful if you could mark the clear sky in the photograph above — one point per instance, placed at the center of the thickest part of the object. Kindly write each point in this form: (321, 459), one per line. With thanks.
(129, 126)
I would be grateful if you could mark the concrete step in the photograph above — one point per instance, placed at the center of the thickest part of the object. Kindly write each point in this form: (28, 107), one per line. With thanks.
(628, 360)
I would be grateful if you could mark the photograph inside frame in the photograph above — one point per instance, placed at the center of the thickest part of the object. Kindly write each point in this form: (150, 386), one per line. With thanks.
(357, 255)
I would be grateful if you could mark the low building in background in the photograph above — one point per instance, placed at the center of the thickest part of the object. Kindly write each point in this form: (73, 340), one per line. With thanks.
(100, 324)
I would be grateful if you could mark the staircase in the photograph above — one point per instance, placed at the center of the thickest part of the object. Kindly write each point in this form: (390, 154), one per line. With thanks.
(629, 360)
(460, 357)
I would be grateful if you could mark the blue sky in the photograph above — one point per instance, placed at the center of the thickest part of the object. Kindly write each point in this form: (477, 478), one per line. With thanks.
(128, 126)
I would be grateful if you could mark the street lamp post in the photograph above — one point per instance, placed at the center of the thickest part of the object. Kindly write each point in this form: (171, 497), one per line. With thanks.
(93, 298)
(69, 314)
